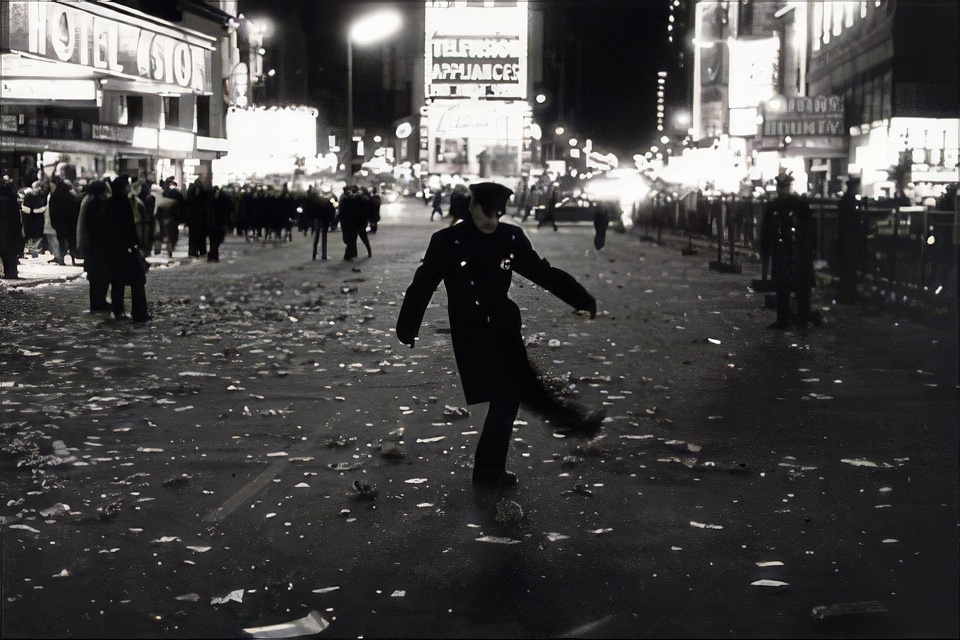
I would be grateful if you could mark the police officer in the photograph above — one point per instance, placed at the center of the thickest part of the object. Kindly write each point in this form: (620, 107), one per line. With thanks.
(476, 260)
(787, 242)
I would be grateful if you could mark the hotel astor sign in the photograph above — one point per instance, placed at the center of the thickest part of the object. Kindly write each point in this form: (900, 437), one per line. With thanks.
(112, 44)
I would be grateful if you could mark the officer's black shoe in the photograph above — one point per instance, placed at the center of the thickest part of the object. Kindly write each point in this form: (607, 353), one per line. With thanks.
(498, 479)
(778, 325)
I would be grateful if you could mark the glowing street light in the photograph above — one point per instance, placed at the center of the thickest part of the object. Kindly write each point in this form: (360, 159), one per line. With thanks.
(365, 30)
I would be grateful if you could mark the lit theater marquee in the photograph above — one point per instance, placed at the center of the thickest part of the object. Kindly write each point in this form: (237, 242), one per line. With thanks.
(476, 49)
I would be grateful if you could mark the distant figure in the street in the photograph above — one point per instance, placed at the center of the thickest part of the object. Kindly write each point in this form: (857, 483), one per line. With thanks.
(34, 209)
(374, 216)
(124, 260)
(218, 219)
(787, 241)
(320, 212)
(11, 230)
(92, 242)
(459, 204)
(351, 216)
(63, 210)
(601, 220)
(170, 212)
(476, 260)
(364, 218)
(147, 227)
(198, 203)
(437, 202)
(849, 237)
(549, 212)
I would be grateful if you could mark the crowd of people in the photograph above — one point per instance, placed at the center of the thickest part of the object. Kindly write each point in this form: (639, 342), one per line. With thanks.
(112, 224)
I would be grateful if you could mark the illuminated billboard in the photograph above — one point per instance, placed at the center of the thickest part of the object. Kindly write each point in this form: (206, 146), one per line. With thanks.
(476, 49)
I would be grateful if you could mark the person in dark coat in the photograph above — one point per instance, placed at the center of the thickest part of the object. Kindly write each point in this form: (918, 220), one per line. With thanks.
(66, 216)
(365, 218)
(476, 261)
(437, 203)
(787, 241)
(601, 220)
(351, 216)
(218, 218)
(197, 212)
(11, 230)
(34, 209)
(91, 242)
(459, 204)
(148, 226)
(320, 212)
(170, 210)
(122, 247)
(375, 202)
(549, 212)
(849, 237)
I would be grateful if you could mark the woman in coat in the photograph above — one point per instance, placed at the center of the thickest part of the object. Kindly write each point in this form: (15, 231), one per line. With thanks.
(476, 260)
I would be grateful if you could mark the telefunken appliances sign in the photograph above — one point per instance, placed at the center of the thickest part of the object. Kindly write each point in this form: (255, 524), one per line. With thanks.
(476, 51)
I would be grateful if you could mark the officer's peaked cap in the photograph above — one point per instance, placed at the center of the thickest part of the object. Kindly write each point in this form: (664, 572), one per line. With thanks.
(491, 195)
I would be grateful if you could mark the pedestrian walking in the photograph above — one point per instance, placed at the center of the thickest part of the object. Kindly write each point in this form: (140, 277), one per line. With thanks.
(601, 220)
(92, 242)
(476, 261)
(437, 203)
(320, 214)
(350, 215)
(148, 228)
(219, 214)
(459, 204)
(63, 209)
(365, 218)
(34, 209)
(549, 212)
(11, 230)
(125, 263)
(198, 203)
(375, 202)
(787, 242)
(170, 208)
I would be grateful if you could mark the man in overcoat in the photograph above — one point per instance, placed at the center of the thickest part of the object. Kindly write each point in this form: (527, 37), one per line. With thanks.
(787, 241)
(122, 250)
(11, 230)
(92, 242)
(476, 261)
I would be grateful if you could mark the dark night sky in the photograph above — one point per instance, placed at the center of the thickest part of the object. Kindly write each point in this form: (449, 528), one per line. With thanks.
(622, 48)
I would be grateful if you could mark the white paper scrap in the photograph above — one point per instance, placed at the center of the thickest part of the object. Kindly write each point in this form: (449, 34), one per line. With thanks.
(311, 624)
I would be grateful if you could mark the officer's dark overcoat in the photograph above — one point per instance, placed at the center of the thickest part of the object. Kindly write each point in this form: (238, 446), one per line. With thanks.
(476, 269)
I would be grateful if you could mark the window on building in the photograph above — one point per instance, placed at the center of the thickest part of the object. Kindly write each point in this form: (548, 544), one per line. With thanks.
(171, 111)
(135, 110)
(202, 124)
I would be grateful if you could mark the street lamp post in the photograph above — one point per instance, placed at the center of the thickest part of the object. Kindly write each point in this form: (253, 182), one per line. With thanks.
(367, 29)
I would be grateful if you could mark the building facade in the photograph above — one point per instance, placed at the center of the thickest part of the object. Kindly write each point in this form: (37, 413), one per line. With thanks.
(133, 87)
(828, 89)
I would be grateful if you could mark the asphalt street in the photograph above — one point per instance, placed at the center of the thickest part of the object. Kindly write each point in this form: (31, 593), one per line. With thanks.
(265, 459)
